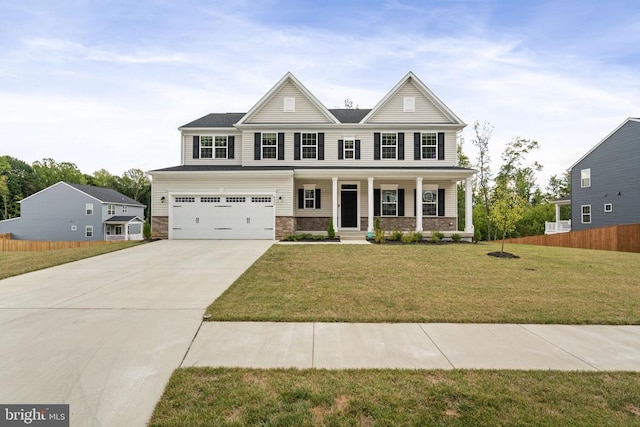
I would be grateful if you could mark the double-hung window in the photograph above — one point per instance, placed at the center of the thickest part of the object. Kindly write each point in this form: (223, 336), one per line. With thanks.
(586, 214)
(88, 209)
(309, 145)
(349, 148)
(221, 147)
(389, 202)
(429, 145)
(111, 210)
(309, 198)
(430, 203)
(213, 147)
(389, 145)
(88, 231)
(206, 147)
(585, 178)
(269, 145)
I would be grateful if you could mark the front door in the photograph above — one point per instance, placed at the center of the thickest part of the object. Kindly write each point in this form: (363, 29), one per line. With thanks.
(349, 206)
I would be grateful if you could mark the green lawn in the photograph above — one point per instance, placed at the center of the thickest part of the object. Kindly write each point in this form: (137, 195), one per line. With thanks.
(246, 397)
(14, 263)
(435, 283)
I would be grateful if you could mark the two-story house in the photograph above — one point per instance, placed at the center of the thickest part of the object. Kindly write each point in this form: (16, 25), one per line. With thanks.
(76, 212)
(290, 164)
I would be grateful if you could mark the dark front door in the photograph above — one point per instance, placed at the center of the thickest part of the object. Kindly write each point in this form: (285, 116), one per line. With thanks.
(349, 209)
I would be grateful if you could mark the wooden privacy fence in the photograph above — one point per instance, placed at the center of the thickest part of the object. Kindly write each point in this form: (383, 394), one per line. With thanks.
(623, 238)
(8, 245)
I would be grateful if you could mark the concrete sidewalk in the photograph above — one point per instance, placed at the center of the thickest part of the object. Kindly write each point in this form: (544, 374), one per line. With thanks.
(416, 346)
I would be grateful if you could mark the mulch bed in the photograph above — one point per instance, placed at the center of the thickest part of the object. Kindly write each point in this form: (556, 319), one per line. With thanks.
(503, 255)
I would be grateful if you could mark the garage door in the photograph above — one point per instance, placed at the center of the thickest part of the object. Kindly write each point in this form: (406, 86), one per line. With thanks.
(222, 217)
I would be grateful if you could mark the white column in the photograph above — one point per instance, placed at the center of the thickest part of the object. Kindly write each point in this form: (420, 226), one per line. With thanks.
(370, 204)
(557, 216)
(468, 207)
(334, 196)
(419, 204)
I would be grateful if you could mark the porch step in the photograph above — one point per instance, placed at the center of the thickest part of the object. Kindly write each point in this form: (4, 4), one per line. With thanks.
(352, 235)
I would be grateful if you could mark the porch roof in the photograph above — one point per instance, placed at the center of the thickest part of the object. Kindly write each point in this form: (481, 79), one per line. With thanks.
(123, 219)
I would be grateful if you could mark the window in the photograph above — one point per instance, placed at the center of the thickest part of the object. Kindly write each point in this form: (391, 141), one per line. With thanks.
(349, 149)
(430, 203)
(586, 214)
(111, 209)
(261, 200)
(236, 199)
(89, 208)
(608, 207)
(389, 143)
(585, 178)
(409, 104)
(309, 145)
(269, 146)
(185, 199)
(124, 209)
(289, 104)
(210, 199)
(309, 198)
(389, 201)
(221, 147)
(118, 230)
(206, 147)
(429, 145)
(88, 231)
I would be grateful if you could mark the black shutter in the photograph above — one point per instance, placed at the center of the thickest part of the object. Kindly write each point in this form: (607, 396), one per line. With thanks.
(357, 149)
(320, 145)
(376, 146)
(196, 147)
(440, 201)
(400, 145)
(400, 201)
(417, 155)
(296, 146)
(231, 146)
(280, 145)
(340, 149)
(301, 198)
(440, 145)
(376, 201)
(257, 146)
(317, 198)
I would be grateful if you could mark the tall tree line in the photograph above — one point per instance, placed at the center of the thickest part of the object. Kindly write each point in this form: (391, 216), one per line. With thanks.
(19, 180)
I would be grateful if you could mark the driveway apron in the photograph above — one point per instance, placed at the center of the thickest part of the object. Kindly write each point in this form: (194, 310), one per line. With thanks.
(104, 334)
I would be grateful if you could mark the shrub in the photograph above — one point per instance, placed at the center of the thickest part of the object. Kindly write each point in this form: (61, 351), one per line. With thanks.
(146, 231)
(331, 232)
(417, 236)
(456, 237)
(408, 238)
(396, 236)
(377, 224)
(379, 236)
(436, 236)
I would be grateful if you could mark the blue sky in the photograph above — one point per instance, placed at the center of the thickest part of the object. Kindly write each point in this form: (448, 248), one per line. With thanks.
(106, 84)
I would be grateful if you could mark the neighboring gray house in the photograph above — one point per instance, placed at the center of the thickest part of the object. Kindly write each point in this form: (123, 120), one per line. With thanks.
(605, 182)
(75, 212)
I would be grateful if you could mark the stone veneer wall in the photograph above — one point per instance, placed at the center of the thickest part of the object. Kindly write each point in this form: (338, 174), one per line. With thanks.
(401, 223)
(159, 227)
(312, 223)
(285, 225)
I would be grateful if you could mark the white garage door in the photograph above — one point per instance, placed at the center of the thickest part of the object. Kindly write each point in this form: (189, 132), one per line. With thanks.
(222, 217)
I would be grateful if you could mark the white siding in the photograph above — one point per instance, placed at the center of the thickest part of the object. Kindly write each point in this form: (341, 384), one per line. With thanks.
(219, 184)
(393, 110)
(187, 148)
(273, 110)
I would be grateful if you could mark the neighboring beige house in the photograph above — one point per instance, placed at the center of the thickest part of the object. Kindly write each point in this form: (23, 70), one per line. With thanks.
(290, 164)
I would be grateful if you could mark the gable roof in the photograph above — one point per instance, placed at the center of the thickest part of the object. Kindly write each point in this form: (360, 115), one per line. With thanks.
(349, 115)
(424, 90)
(288, 78)
(105, 195)
(629, 119)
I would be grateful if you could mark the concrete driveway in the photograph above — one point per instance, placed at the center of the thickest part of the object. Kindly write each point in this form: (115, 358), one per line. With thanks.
(104, 334)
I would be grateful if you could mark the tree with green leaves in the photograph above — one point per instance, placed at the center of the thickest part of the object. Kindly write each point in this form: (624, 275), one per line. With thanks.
(507, 208)
(48, 172)
(463, 162)
(481, 141)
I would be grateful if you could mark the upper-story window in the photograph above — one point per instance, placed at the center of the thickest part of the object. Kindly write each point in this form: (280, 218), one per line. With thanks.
(269, 145)
(309, 145)
(213, 147)
(124, 209)
(389, 143)
(429, 145)
(88, 209)
(111, 210)
(349, 148)
(585, 178)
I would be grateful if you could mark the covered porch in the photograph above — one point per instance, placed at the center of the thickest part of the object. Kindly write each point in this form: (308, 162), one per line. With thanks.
(559, 225)
(120, 228)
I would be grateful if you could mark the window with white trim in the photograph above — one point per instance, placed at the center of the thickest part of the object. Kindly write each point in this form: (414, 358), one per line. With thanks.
(269, 145)
(111, 209)
(585, 178)
(429, 145)
(88, 231)
(608, 207)
(409, 104)
(88, 209)
(213, 147)
(430, 203)
(309, 198)
(124, 209)
(349, 148)
(206, 147)
(309, 145)
(389, 145)
(586, 214)
(389, 202)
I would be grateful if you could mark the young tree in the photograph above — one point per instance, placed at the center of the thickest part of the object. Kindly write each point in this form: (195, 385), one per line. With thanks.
(483, 178)
(507, 208)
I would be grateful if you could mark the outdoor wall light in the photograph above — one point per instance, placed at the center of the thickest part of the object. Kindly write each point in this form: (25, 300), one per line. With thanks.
(619, 193)
(162, 199)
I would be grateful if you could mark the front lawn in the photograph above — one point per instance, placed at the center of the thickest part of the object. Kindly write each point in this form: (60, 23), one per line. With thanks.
(239, 397)
(433, 283)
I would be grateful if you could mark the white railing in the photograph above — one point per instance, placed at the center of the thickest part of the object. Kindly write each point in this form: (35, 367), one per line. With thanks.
(557, 227)
(122, 237)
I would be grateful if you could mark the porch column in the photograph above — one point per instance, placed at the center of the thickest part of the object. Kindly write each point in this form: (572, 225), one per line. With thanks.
(334, 202)
(126, 232)
(468, 207)
(370, 204)
(557, 216)
(419, 204)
